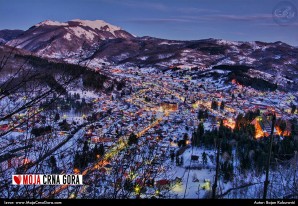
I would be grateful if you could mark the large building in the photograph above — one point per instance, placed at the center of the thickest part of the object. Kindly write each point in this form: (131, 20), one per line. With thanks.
(263, 125)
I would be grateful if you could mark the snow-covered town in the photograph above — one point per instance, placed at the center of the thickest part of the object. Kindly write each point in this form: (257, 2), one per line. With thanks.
(148, 100)
(141, 136)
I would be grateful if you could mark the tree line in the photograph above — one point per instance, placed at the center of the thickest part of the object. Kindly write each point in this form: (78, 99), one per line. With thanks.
(87, 155)
(252, 153)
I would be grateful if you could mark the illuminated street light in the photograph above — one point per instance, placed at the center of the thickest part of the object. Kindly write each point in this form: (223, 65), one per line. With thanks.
(137, 189)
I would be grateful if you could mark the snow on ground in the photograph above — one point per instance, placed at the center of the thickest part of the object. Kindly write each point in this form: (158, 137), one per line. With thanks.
(51, 23)
(55, 55)
(187, 51)
(226, 61)
(247, 60)
(67, 36)
(67, 150)
(71, 117)
(168, 43)
(226, 42)
(147, 70)
(193, 179)
(122, 56)
(208, 125)
(97, 24)
(95, 63)
(264, 75)
(84, 94)
(78, 31)
(15, 137)
(254, 45)
(164, 56)
(143, 58)
(219, 71)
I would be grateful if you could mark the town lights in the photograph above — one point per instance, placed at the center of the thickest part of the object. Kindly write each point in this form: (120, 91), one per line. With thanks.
(137, 189)
(76, 170)
(26, 161)
(72, 196)
(132, 175)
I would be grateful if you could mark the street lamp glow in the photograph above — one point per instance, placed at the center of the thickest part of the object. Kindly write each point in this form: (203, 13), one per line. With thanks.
(137, 189)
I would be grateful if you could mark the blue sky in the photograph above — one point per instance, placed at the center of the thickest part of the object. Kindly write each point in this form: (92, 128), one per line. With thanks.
(243, 20)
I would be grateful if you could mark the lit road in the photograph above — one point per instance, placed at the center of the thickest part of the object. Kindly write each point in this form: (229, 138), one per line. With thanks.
(120, 145)
(122, 141)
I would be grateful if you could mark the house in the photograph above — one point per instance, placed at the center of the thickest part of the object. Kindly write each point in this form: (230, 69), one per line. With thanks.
(4, 125)
(287, 130)
(263, 126)
(96, 139)
(163, 183)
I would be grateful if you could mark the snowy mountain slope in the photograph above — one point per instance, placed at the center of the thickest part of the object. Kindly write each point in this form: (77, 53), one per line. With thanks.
(57, 40)
(271, 58)
(98, 43)
(7, 35)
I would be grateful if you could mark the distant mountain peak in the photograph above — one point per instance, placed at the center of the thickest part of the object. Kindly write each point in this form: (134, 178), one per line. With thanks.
(97, 24)
(98, 43)
(55, 39)
(7, 35)
(51, 23)
(226, 42)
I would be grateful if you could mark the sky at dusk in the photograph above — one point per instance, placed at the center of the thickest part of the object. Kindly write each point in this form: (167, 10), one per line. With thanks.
(241, 20)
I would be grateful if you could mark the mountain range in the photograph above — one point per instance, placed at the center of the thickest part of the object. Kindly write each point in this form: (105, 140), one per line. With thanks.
(98, 43)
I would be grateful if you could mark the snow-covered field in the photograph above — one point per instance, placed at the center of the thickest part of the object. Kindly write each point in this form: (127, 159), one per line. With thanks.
(193, 180)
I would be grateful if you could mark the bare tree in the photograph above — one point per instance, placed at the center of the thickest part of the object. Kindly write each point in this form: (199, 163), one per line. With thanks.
(30, 88)
(132, 174)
